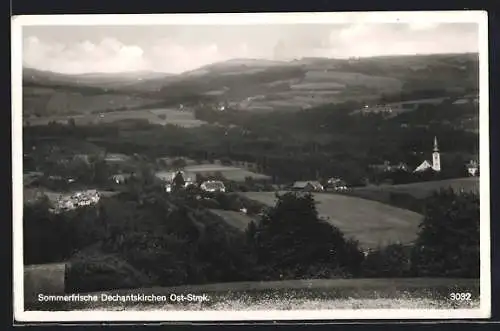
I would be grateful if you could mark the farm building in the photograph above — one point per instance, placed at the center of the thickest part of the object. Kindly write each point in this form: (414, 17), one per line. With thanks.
(120, 178)
(77, 199)
(473, 168)
(308, 186)
(213, 186)
(168, 176)
(388, 167)
(336, 184)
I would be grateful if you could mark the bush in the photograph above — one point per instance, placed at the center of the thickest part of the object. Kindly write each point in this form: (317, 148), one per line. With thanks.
(90, 271)
(448, 242)
(390, 261)
(41, 230)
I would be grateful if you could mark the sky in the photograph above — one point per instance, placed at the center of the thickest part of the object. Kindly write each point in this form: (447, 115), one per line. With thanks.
(176, 49)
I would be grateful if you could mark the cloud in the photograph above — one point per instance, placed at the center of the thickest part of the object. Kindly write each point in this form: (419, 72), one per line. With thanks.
(166, 55)
(360, 40)
(176, 52)
(109, 55)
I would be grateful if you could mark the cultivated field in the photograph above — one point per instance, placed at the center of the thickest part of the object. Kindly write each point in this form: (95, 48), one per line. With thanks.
(153, 116)
(236, 219)
(320, 87)
(299, 294)
(230, 173)
(48, 100)
(422, 189)
(353, 79)
(372, 223)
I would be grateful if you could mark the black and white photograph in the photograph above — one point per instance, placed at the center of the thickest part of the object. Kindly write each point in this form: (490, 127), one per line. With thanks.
(218, 167)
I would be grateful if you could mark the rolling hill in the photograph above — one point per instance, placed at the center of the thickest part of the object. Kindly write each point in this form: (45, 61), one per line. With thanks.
(253, 85)
(372, 223)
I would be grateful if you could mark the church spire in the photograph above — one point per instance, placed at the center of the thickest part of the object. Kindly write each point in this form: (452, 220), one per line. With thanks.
(436, 159)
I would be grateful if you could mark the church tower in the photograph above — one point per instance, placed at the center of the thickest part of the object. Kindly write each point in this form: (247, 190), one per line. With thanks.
(436, 159)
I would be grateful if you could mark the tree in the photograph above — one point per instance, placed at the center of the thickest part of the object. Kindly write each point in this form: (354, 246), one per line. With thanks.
(448, 242)
(292, 242)
(178, 182)
(390, 261)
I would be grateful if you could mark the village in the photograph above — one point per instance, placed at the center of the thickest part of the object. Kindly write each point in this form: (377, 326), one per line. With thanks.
(180, 177)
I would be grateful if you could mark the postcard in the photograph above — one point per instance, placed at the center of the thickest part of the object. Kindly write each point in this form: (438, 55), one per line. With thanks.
(251, 167)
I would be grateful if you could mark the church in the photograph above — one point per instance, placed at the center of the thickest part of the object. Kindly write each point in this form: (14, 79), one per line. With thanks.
(436, 160)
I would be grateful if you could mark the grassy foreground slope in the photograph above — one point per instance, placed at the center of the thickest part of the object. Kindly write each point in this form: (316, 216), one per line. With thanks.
(411, 293)
(372, 223)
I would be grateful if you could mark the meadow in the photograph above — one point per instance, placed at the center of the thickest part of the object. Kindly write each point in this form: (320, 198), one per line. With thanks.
(398, 293)
(230, 173)
(373, 223)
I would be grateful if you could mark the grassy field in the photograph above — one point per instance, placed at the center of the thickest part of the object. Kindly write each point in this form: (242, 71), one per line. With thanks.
(372, 223)
(422, 189)
(155, 116)
(230, 173)
(49, 278)
(298, 294)
(236, 219)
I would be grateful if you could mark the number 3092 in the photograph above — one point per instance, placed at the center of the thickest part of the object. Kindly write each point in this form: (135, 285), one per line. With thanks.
(460, 296)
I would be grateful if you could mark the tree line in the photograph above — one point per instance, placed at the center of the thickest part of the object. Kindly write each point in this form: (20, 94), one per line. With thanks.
(324, 142)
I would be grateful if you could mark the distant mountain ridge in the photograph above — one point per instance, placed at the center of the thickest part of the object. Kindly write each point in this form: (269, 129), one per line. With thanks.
(242, 62)
(31, 74)
(267, 85)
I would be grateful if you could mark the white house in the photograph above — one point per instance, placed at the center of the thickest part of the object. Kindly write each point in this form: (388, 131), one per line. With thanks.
(213, 186)
(473, 168)
(423, 166)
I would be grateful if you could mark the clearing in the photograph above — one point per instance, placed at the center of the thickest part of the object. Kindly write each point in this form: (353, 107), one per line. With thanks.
(230, 173)
(372, 223)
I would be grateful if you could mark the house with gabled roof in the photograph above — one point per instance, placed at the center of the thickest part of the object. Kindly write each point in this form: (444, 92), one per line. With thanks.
(309, 186)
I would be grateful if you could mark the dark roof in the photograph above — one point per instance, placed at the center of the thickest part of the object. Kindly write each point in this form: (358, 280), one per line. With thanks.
(303, 184)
